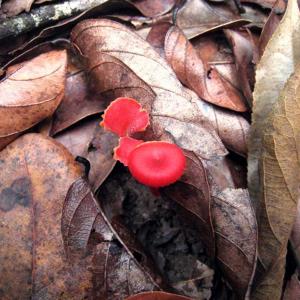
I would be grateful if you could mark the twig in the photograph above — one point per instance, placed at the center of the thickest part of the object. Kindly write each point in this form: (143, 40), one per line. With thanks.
(44, 15)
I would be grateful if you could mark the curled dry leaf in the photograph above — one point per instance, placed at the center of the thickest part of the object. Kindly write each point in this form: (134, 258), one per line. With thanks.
(244, 51)
(198, 75)
(197, 17)
(32, 193)
(116, 274)
(157, 296)
(270, 79)
(78, 103)
(87, 139)
(172, 108)
(236, 237)
(278, 190)
(31, 92)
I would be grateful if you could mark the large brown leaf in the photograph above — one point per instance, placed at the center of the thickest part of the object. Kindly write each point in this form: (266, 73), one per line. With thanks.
(87, 139)
(116, 272)
(30, 92)
(270, 79)
(236, 237)
(36, 173)
(278, 190)
(172, 108)
(198, 75)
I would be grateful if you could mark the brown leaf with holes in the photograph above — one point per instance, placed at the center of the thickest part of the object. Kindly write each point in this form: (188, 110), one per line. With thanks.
(236, 237)
(116, 274)
(30, 92)
(35, 177)
(157, 296)
(198, 75)
(87, 139)
(134, 73)
(78, 102)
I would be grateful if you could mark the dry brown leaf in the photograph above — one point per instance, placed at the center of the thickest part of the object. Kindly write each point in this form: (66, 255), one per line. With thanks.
(196, 74)
(295, 236)
(197, 17)
(236, 237)
(268, 4)
(292, 289)
(116, 274)
(36, 173)
(278, 190)
(78, 102)
(172, 108)
(87, 139)
(154, 8)
(14, 7)
(270, 79)
(31, 92)
(157, 296)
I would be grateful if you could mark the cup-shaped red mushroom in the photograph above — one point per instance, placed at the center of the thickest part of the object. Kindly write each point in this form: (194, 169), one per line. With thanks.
(125, 116)
(156, 163)
(125, 147)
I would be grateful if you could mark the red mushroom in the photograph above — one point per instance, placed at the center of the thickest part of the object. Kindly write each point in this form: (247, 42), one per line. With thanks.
(126, 146)
(125, 116)
(156, 163)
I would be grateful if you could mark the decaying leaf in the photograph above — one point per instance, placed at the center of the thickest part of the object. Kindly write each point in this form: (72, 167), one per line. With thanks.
(89, 140)
(270, 79)
(172, 108)
(116, 273)
(157, 296)
(278, 189)
(30, 92)
(236, 237)
(198, 75)
(78, 103)
(36, 173)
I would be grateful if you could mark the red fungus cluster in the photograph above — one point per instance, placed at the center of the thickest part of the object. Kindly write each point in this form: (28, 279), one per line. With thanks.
(154, 163)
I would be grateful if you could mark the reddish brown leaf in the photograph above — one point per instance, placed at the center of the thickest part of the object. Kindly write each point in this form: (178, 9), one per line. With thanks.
(87, 139)
(116, 273)
(157, 296)
(30, 92)
(36, 174)
(198, 75)
(243, 50)
(78, 102)
(152, 8)
(236, 237)
(14, 7)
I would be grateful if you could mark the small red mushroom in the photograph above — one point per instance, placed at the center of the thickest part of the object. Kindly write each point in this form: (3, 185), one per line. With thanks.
(156, 163)
(125, 147)
(125, 116)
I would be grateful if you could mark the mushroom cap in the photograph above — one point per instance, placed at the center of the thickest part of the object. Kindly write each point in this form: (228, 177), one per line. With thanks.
(125, 116)
(156, 163)
(125, 147)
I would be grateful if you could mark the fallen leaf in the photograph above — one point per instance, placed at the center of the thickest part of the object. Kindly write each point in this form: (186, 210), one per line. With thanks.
(179, 117)
(14, 7)
(87, 139)
(279, 179)
(196, 17)
(31, 92)
(244, 52)
(236, 237)
(78, 102)
(154, 8)
(270, 79)
(116, 272)
(292, 289)
(295, 236)
(268, 4)
(32, 192)
(157, 296)
(196, 74)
